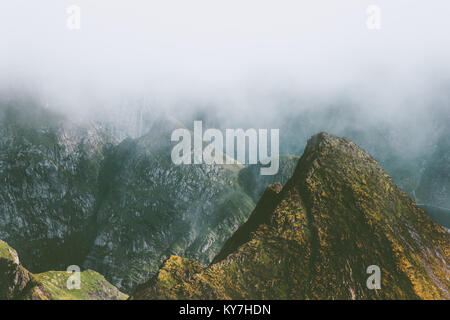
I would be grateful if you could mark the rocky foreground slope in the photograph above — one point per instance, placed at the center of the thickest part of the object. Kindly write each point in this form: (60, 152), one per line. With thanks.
(315, 238)
(16, 282)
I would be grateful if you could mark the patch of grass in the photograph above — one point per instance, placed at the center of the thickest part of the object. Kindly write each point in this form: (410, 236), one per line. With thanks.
(93, 286)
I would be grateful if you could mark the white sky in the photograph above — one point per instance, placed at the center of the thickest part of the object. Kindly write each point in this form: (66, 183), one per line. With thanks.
(174, 49)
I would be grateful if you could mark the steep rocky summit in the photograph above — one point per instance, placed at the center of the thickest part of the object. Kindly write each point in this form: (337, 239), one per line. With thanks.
(18, 283)
(315, 238)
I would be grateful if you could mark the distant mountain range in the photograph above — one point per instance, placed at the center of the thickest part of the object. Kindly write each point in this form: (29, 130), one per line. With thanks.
(72, 194)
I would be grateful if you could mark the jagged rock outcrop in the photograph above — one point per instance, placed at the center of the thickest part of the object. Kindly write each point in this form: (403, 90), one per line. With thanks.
(17, 283)
(339, 214)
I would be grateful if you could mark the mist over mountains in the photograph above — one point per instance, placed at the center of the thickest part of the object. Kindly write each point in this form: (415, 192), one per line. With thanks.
(302, 68)
(73, 192)
(232, 58)
(86, 117)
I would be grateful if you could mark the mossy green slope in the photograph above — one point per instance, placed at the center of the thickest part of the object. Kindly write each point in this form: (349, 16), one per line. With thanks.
(338, 214)
(53, 285)
(13, 277)
(19, 284)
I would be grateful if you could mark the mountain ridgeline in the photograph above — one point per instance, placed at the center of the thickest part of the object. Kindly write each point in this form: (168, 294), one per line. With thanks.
(315, 238)
(151, 208)
(71, 194)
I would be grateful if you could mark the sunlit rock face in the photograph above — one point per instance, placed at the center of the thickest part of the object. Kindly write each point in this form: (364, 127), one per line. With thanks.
(316, 237)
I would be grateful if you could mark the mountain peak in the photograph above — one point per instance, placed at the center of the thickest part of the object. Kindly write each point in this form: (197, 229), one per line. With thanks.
(324, 143)
(323, 139)
(338, 215)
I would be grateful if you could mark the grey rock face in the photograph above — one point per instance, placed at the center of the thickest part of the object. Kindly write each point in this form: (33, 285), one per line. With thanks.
(48, 171)
(70, 196)
(151, 208)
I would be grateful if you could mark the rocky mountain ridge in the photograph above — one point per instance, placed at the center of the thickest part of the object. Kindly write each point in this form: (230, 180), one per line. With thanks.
(315, 238)
(71, 194)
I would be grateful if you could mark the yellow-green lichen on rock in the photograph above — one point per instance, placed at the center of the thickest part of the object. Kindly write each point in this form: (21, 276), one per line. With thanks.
(339, 214)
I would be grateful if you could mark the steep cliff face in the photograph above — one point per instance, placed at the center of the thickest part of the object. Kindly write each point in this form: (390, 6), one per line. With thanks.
(150, 208)
(48, 174)
(16, 282)
(339, 214)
